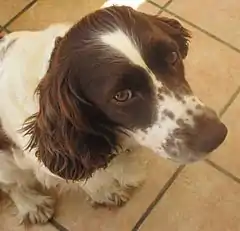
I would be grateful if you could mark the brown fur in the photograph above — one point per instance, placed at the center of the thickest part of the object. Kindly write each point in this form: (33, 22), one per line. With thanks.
(70, 134)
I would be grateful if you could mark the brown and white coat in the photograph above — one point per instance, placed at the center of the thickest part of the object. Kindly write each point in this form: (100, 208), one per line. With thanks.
(78, 102)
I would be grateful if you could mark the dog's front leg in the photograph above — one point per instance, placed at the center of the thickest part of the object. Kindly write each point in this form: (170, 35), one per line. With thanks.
(113, 185)
(20, 184)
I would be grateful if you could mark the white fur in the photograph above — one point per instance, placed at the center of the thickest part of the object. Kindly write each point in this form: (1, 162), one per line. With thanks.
(21, 68)
(122, 43)
(134, 3)
(155, 135)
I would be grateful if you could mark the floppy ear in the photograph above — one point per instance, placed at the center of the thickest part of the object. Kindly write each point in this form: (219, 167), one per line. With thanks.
(68, 134)
(179, 33)
(174, 28)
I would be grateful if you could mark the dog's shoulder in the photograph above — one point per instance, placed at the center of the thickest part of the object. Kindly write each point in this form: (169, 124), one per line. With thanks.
(24, 60)
(22, 52)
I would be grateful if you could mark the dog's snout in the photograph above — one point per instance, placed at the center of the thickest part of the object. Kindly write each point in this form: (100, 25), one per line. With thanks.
(210, 132)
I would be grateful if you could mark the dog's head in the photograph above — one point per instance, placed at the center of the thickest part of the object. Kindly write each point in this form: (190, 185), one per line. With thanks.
(119, 71)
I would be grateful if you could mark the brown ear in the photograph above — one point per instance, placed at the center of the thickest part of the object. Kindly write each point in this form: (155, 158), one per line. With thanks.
(179, 33)
(68, 134)
(174, 28)
(64, 135)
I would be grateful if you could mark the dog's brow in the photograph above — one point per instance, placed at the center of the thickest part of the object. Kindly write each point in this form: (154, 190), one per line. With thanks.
(119, 41)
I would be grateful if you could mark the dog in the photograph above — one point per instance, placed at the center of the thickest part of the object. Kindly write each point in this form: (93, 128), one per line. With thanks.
(80, 101)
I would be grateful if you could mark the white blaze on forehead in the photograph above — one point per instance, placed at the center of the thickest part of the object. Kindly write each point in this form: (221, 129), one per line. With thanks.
(134, 3)
(119, 41)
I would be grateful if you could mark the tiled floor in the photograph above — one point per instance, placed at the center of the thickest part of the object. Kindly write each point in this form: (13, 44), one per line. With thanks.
(202, 197)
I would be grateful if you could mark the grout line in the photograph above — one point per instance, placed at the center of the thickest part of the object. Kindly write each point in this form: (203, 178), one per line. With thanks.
(57, 225)
(222, 112)
(4, 29)
(179, 170)
(7, 30)
(154, 3)
(225, 107)
(222, 170)
(20, 13)
(165, 5)
(158, 198)
(159, 6)
(230, 101)
(163, 9)
(169, 183)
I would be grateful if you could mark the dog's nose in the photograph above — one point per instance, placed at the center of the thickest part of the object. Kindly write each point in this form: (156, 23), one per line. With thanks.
(210, 133)
(210, 137)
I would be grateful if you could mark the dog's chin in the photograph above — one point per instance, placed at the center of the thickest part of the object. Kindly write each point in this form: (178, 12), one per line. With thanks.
(188, 160)
(183, 158)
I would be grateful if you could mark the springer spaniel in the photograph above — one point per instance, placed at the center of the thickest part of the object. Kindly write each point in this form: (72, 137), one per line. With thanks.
(78, 103)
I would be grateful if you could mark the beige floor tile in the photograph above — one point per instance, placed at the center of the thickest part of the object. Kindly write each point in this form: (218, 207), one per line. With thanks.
(46, 12)
(201, 199)
(159, 2)
(228, 156)
(212, 69)
(10, 222)
(10, 8)
(148, 8)
(75, 213)
(221, 18)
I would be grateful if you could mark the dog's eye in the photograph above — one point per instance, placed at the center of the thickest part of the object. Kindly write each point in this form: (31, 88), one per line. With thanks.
(123, 96)
(172, 58)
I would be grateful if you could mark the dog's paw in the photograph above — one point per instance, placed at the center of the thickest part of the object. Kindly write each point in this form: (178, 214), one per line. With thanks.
(115, 185)
(132, 181)
(110, 195)
(35, 208)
